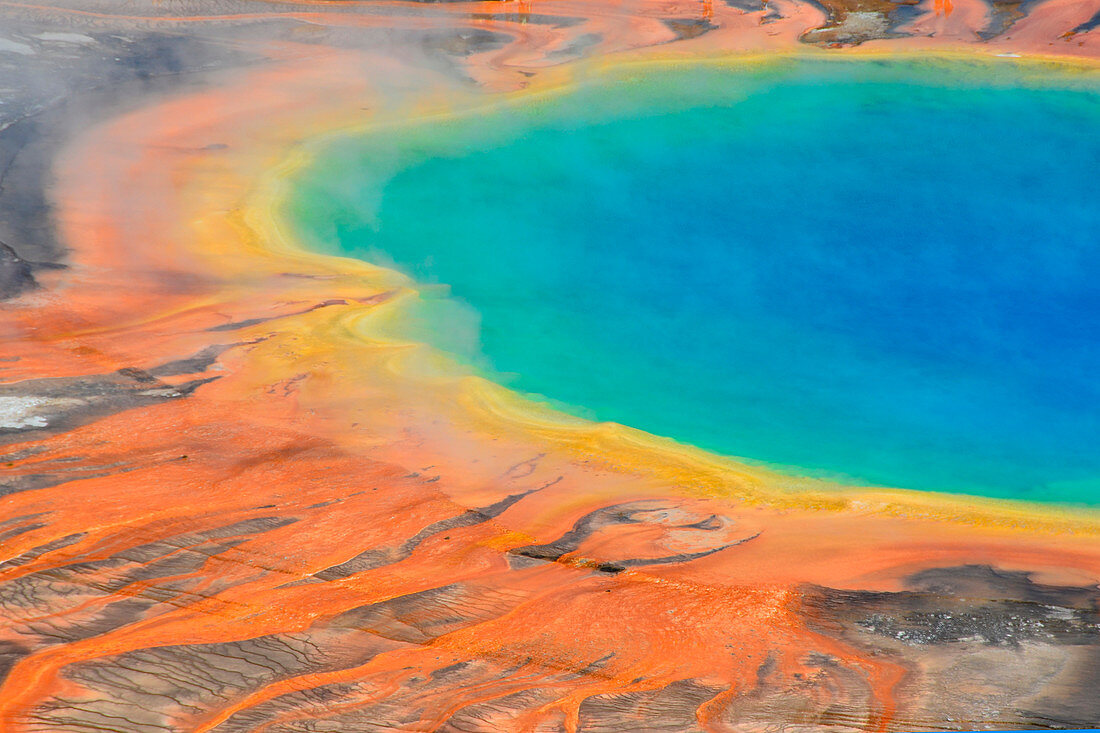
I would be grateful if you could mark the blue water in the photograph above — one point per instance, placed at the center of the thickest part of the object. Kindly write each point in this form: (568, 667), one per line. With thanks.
(884, 272)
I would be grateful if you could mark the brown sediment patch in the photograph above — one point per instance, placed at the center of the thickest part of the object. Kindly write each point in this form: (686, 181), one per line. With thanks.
(253, 516)
(856, 21)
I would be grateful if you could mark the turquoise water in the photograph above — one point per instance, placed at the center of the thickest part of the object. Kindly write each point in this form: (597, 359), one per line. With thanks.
(881, 272)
